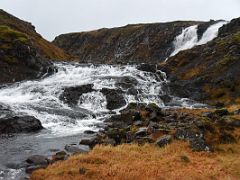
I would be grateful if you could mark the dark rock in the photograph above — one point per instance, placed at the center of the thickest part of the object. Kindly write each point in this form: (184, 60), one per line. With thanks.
(137, 116)
(59, 156)
(115, 99)
(141, 132)
(89, 132)
(127, 82)
(91, 142)
(77, 149)
(222, 112)
(164, 140)
(37, 160)
(186, 134)
(71, 95)
(147, 67)
(82, 171)
(199, 144)
(19, 124)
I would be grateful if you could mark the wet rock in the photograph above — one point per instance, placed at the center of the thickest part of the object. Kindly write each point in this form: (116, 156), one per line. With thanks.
(147, 67)
(127, 82)
(164, 140)
(143, 140)
(91, 142)
(77, 149)
(119, 135)
(71, 95)
(222, 112)
(36, 160)
(19, 124)
(141, 132)
(89, 132)
(199, 144)
(59, 156)
(115, 99)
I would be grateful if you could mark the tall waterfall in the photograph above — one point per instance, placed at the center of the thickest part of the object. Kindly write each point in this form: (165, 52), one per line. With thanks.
(189, 37)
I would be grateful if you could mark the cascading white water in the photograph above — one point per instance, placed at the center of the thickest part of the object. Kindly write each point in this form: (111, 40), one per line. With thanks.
(41, 98)
(186, 40)
(189, 38)
(211, 33)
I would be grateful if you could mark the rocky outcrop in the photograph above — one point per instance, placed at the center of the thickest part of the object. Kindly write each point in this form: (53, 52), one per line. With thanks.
(147, 43)
(19, 124)
(24, 53)
(208, 73)
(13, 123)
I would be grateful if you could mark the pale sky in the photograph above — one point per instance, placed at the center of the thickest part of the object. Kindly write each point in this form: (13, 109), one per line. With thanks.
(54, 17)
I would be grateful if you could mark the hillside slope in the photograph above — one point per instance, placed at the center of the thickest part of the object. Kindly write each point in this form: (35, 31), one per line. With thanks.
(210, 72)
(128, 44)
(24, 53)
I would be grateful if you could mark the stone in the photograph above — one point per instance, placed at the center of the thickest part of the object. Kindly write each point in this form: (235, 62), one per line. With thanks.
(141, 132)
(89, 132)
(71, 95)
(59, 156)
(37, 160)
(222, 112)
(91, 142)
(77, 149)
(164, 140)
(115, 99)
(19, 124)
(199, 144)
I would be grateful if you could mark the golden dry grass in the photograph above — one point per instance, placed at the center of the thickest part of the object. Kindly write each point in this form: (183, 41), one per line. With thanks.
(175, 161)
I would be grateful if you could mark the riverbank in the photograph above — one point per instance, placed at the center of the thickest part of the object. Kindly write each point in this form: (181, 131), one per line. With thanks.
(206, 148)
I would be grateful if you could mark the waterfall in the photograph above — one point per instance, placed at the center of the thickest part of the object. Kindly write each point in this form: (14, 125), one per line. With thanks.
(189, 37)
(211, 33)
(186, 40)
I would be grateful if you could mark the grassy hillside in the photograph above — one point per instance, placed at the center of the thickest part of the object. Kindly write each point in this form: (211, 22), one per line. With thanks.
(42, 46)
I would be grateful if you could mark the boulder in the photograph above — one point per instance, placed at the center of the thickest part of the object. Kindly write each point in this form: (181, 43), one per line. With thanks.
(127, 82)
(115, 99)
(222, 112)
(37, 160)
(141, 132)
(199, 144)
(71, 95)
(147, 67)
(72, 148)
(19, 124)
(164, 140)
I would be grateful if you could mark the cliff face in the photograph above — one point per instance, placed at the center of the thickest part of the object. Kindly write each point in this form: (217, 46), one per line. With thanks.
(129, 44)
(210, 72)
(23, 52)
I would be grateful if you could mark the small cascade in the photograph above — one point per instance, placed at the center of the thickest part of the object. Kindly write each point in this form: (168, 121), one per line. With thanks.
(186, 40)
(189, 37)
(211, 33)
